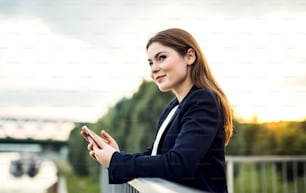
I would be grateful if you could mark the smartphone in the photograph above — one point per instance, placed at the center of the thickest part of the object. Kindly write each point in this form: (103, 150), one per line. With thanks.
(89, 134)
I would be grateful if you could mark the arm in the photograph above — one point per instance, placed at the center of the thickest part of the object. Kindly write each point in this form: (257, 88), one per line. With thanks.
(101, 149)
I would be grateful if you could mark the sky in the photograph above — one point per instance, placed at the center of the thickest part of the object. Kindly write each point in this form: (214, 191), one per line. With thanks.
(72, 60)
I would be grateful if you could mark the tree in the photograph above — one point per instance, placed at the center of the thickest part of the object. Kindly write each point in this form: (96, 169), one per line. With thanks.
(78, 151)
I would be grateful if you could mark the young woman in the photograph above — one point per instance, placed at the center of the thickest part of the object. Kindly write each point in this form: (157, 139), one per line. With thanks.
(193, 129)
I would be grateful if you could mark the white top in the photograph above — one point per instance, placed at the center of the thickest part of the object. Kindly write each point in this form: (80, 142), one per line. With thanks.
(162, 129)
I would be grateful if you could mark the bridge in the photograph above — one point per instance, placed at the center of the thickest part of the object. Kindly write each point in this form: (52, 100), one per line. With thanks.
(27, 134)
(35, 129)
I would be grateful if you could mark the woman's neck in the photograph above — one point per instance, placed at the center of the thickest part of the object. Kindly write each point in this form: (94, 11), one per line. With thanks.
(182, 92)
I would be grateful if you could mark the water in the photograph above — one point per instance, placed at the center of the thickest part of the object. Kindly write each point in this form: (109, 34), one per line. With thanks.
(44, 179)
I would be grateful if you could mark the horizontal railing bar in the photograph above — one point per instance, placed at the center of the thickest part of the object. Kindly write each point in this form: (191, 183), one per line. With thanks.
(153, 185)
(264, 158)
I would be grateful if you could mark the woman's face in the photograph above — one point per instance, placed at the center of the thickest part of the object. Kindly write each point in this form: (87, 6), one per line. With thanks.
(169, 70)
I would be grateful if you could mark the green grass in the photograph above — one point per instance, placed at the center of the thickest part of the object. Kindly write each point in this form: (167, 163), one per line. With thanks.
(77, 184)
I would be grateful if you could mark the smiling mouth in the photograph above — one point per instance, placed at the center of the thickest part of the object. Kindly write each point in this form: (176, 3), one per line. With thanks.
(158, 78)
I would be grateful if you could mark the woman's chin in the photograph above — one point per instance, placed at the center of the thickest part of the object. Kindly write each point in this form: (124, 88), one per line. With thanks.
(163, 88)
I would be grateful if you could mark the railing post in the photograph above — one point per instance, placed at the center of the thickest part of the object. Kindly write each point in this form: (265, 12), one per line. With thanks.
(105, 187)
(230, 176)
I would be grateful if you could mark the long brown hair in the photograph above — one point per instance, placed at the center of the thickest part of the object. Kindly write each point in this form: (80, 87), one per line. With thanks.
(201, 75)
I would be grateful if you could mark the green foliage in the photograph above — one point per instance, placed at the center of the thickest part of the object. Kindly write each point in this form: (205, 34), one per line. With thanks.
(243, 139)
(292, 139)
(276, 138)
(78, 151)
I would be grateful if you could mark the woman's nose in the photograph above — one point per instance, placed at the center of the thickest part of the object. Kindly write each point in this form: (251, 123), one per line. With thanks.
(155, 68)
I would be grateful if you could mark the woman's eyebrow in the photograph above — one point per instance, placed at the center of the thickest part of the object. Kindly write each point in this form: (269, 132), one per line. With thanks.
(156, 55)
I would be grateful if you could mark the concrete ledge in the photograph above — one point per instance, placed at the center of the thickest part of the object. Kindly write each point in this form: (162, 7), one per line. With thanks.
(153, 185)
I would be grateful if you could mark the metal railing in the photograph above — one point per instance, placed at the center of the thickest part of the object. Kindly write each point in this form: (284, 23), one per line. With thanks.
(143, 185)
(245, 174)
(266, 174)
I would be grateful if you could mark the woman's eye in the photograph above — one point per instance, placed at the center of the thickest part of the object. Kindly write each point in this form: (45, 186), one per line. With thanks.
(162, 57)
(150, 63)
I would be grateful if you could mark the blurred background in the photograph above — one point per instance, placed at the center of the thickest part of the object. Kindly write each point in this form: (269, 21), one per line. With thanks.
(67, 63)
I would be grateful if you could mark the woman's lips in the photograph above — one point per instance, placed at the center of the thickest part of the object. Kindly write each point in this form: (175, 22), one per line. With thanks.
(159, 78)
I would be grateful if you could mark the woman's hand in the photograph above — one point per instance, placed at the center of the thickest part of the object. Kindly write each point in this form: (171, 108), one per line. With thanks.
(101, 148)
(109, 140)
(103, 154)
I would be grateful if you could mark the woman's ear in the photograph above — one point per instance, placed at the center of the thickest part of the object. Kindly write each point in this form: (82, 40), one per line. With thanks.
(190, 56)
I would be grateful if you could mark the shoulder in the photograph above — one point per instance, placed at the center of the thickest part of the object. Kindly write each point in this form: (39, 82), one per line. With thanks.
(203, 91)
(203, 105)
(201, 101)
(200, 95)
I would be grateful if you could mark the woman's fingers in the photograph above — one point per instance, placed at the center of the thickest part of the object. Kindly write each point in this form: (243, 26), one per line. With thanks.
(108, 138)
(92, 154)
(99, 141)
(90, 147)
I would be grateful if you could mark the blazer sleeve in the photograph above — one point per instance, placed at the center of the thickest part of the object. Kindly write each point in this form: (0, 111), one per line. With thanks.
(198, 118)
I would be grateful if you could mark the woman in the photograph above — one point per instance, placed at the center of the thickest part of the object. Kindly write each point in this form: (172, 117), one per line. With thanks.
(193, 129)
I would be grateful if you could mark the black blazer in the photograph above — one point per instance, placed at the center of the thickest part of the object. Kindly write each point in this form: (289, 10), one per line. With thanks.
(191, 151)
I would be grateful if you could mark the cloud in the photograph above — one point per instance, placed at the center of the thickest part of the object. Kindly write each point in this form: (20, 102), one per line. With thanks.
(34, 56)
(48, 97)
(89, 54)
(39, 67)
